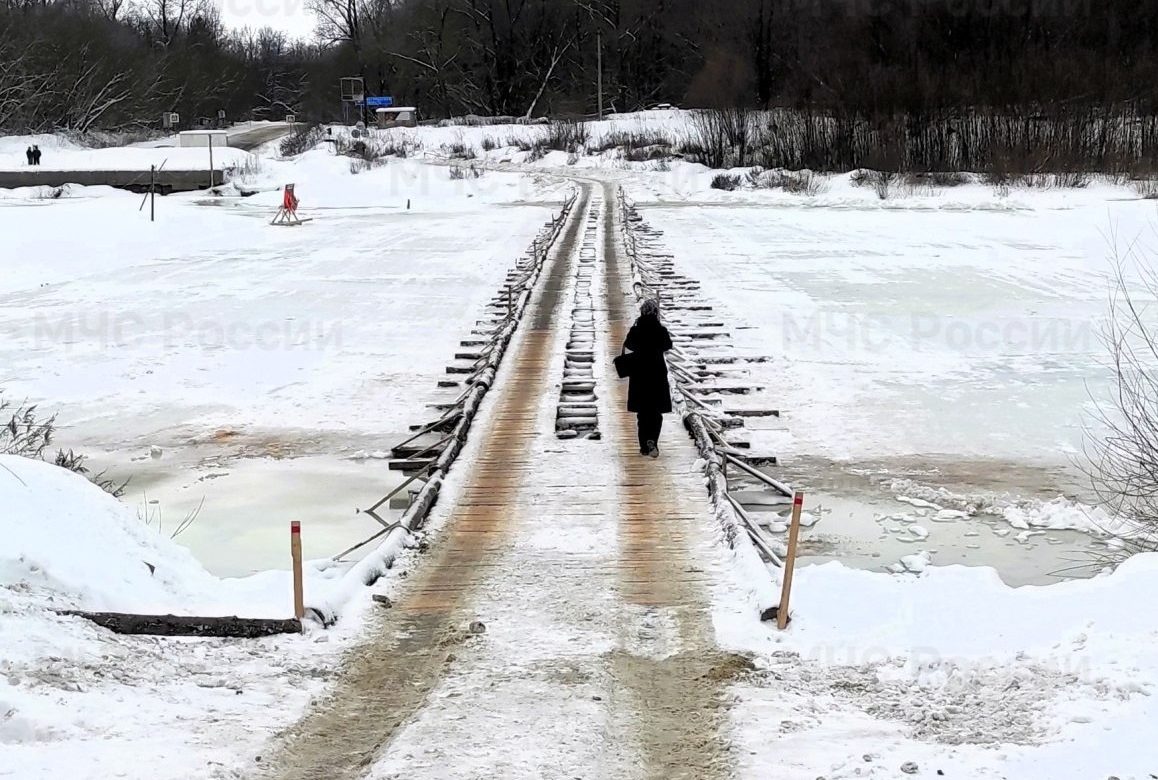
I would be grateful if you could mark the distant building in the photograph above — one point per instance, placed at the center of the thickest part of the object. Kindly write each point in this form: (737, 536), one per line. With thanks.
(201, 138)
(397, 116)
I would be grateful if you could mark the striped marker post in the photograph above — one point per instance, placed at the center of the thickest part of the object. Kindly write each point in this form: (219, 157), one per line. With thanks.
(790, 561)
(296, 552)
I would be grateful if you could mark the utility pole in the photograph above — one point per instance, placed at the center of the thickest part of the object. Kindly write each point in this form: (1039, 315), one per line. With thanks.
(599, 68)
(152, 193)
(212, 183)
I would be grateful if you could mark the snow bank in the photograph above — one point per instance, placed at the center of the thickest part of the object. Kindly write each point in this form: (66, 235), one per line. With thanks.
(64, 534)
(45, 195)
(957, 674)
(966, 612)
(16, 145)
(68, 157)
(68, 544)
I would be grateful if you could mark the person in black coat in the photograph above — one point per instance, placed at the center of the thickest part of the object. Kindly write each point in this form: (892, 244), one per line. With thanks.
(28, 154)
(648, 394)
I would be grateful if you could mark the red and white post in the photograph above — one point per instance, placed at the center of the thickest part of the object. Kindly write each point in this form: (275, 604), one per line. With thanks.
(790, 561)
(296, 553)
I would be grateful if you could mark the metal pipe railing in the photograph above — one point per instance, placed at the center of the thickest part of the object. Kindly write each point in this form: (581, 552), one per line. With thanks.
(754, 532)
(701, 419)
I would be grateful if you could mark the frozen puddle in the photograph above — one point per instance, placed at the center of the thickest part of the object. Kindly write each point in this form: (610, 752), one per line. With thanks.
(243, 505)
(883, 533)
(875, 516)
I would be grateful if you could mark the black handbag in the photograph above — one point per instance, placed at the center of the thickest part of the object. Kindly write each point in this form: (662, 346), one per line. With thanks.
(625, 363)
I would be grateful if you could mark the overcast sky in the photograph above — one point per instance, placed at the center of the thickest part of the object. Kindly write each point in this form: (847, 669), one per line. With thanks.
(289, 16)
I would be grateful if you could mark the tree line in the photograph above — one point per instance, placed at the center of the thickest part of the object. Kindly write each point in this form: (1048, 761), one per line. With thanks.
(114, 64)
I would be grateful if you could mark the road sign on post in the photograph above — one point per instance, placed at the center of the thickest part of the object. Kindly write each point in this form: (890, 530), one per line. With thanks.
(353, 95)
(379, 102)
(352, 89)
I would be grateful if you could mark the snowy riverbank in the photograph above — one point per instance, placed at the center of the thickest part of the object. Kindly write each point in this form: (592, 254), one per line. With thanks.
(263, 364)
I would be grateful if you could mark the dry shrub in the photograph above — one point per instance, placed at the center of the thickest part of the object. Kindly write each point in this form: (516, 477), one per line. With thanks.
(302, 139)
(725, 181)
(566, 136)
(936, 179)
(881, 182)
(1146, 188)
(795, 182)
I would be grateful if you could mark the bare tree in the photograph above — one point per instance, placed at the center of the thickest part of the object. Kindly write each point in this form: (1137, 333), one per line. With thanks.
(166, 19)
(1122, 448)
(109, 9)
(556, 56)
(339, 21)
(21, 79)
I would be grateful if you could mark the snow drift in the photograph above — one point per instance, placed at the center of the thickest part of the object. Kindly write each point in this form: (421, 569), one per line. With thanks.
(67, 536)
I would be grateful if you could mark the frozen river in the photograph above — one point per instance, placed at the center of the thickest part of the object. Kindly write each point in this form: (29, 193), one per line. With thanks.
(939, 348)
(257, 358)
(948, 344)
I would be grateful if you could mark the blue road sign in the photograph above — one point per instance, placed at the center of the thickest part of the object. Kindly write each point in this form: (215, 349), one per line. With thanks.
(379, 102)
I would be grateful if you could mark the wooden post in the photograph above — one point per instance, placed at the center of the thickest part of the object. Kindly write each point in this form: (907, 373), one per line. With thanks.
(212, 176)
(152, 193)
(790, 560)
(296, 552)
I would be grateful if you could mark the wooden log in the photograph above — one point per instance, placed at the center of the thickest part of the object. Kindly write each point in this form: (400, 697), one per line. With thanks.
(410, 450)
(441, 426)
(184, 625)
(726, 389)
(411, 464)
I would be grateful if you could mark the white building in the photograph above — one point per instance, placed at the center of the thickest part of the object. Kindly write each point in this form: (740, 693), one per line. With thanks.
(202, 138)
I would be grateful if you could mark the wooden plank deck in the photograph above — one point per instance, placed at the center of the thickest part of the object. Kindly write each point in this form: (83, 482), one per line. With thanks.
(561, 547)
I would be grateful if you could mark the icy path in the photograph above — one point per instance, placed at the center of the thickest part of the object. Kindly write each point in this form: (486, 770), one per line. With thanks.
(597, 658)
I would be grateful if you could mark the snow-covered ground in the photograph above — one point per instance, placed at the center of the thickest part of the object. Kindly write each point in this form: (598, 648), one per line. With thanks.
(954, 674)
(221, 339)
(78, 700)
(60, 154)
(210, 356)
(933, 357)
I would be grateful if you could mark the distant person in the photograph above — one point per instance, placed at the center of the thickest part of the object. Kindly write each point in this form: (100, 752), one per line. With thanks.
(35, 154)
(29, 155)
(648, 394)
